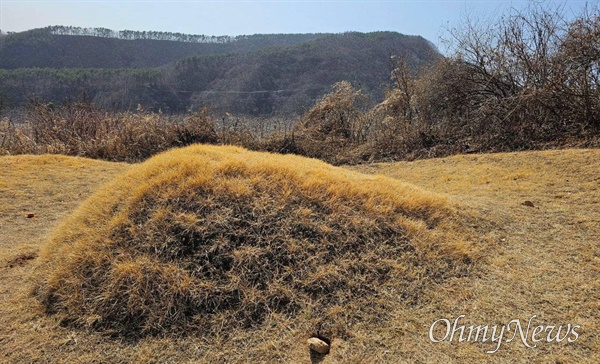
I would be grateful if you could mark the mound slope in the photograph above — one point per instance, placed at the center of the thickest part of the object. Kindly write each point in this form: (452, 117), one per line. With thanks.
(210, 239)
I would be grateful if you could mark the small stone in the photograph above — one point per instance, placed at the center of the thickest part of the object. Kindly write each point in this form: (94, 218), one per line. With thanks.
(318, 345)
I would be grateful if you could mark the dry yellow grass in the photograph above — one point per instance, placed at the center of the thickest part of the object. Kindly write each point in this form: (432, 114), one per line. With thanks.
(549, 262)
(47, 186)
(546, 262)
(216, 241)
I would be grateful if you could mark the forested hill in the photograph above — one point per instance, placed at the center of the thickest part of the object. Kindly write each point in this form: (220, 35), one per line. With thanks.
(69, 47)
(288, 80)
(253, 75)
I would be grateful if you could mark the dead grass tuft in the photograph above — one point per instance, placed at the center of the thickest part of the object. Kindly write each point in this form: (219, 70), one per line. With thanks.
(212, 240)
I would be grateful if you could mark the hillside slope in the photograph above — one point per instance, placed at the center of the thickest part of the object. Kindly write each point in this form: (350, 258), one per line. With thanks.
(258, 75)
(288, 80)
(542, 260)
(42, 48)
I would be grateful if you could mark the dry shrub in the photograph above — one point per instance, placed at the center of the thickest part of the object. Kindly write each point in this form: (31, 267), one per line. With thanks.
(208, 240)
(578, 71)
(401, 128)
(525, 80)
(335, 125)
(239, 132)
(198, 127)
(13, 140)
(80, 129)
(530, 77)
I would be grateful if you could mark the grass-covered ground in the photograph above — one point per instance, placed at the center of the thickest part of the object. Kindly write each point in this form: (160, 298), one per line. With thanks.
(542, 260)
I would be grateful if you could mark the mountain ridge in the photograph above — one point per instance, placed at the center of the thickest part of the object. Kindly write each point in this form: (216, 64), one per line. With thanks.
(258, 75)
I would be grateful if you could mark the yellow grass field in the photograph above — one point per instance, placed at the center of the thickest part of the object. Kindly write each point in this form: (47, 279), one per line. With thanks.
(540, 255)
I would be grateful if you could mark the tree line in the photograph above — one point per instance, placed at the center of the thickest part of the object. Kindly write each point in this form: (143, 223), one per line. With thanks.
(135, 35)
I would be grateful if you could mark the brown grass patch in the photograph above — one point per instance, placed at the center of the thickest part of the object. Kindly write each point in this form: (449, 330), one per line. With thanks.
(211, 240)
(548, 261)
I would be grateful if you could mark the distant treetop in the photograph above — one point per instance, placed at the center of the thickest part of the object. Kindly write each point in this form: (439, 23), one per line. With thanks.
(134, 35)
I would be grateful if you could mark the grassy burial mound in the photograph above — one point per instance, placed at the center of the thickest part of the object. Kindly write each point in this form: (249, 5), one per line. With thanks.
(210, 239)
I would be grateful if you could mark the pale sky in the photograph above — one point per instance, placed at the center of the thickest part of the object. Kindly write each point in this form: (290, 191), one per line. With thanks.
(426, 18)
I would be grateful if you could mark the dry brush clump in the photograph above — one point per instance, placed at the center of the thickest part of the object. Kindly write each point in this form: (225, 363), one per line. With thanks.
(528, 78)
(399, 128)
(523, 81)
(80, 129)
(335, 127)
(208, 240)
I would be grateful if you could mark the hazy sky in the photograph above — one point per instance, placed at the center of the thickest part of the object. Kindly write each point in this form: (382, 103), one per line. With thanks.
(426, 18)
